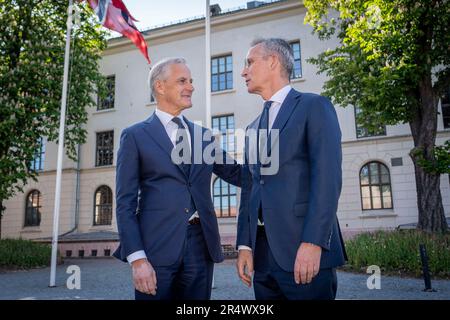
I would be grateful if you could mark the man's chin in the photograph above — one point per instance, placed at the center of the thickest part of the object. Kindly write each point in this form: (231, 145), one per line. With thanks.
(250, 89)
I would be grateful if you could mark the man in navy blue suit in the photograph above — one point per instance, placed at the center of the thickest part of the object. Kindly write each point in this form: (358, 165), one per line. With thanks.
(166, 220)
(288, 232)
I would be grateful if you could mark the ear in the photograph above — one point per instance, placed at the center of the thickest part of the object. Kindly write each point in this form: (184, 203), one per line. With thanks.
(273, 62)
(159, 87)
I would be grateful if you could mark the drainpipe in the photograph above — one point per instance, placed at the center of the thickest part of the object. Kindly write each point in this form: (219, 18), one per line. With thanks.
(77, 195)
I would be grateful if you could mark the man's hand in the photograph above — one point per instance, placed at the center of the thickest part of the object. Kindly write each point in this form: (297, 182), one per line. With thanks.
(144, 276)
(307, 262)
(244, 266)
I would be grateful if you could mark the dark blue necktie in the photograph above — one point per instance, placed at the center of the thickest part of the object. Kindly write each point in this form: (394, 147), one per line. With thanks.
(263, 125)
(183, 138)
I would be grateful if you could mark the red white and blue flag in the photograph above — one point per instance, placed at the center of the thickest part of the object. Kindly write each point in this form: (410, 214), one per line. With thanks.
(115, 16)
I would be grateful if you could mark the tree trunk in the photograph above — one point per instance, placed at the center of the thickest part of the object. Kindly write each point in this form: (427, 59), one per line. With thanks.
(429, 201)
(423, 128)
(1, 216)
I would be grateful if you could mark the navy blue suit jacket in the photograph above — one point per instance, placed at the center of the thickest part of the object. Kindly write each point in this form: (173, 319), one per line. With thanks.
(299, 202)
(154, 194)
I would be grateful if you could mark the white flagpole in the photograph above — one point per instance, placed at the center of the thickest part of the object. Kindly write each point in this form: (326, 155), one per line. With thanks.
(208, 64)
(60, 149)
(208, 76)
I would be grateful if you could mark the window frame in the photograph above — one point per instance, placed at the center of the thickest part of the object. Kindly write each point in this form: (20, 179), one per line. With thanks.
(97, 149)
(33, 208)
(220, 211)
(292, 76)
(368, 135)
(229, 132)
(101, 205)
(445, 103)
(111, 91)
(379, 184)
(38, 157)
(225, 72)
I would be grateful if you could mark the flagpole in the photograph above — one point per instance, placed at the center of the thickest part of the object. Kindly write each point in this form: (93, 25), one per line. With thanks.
(208, 77)
(60, 149)
(208, 64)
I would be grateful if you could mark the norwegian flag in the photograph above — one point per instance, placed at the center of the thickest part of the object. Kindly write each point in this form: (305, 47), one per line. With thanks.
(115, 16)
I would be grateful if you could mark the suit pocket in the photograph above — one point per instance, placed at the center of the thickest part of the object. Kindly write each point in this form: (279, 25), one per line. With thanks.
(301, 209)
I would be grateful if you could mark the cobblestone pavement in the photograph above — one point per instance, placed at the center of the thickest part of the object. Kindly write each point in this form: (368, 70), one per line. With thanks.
(110, 279)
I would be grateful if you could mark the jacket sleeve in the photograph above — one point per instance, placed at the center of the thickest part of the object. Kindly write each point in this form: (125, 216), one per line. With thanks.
(243, 226)
(227, 168)
(325, 159)
(127, 188)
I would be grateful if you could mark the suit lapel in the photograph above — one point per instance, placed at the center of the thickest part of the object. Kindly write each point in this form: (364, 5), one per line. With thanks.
(286, 110)
(196, 167)
(157, 132)
(251, 147)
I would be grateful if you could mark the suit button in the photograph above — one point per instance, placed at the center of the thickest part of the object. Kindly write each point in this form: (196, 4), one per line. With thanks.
(186, 210)
(189, 184)
(261, 181)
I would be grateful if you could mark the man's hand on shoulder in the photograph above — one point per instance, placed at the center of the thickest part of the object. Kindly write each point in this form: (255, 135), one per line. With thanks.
(144, 276)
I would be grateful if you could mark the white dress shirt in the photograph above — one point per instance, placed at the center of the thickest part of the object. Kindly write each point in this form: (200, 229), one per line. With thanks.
(277, 100)
(171, 130)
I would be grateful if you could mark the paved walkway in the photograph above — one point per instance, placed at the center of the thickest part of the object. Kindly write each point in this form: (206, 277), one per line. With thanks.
(111, 280)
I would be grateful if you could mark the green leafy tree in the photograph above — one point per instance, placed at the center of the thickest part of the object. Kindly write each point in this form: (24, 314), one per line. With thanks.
(393, 64)
(32, 43)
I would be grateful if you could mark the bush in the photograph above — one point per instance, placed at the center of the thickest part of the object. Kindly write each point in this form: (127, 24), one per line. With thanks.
(397, 252)
(23, 254)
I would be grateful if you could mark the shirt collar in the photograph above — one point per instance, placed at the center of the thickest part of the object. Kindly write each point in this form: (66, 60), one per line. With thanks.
(165, 117)
(281, 94)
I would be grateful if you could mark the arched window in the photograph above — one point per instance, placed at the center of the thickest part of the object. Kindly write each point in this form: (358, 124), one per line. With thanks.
(33, 209)
(103, 206)
(224, 195)
(375, 183)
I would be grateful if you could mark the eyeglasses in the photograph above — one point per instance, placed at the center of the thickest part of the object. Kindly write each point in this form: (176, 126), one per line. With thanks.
(249, 62)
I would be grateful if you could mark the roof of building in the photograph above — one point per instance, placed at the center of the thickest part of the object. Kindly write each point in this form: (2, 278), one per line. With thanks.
(248, 7)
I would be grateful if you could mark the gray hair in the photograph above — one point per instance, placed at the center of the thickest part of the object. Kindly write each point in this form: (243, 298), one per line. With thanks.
(159, 71)
(282, 49)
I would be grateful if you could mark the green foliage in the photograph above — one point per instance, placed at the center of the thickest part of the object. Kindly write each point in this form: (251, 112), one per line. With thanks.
(32, 43)
(392, 63)
(15, 253)
(398, 252)
(441, 159)
(388, 49)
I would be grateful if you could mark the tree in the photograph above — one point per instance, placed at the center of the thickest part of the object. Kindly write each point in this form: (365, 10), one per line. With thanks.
(393, 64)
(32, 42)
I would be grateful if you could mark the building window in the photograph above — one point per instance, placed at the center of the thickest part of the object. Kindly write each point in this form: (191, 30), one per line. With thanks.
(445, 106)
(222, 73)
(37, 164)
(375, 185)
(225, 125)
(103, 206)
(297, 71)
(33, 209)
(105, 148)
(363, 132)
(108, 101)
(224, 198)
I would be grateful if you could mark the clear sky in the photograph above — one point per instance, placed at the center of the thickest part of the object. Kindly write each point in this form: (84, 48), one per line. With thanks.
(156, 12)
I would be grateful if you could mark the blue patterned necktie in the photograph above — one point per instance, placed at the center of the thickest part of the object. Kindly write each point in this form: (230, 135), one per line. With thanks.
(263, 125)
(182, 137)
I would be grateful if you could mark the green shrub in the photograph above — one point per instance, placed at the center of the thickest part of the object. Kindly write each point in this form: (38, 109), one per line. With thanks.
(23, 254)
(397, 252)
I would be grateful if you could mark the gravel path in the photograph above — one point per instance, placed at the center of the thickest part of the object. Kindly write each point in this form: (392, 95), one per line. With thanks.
(111, 280)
